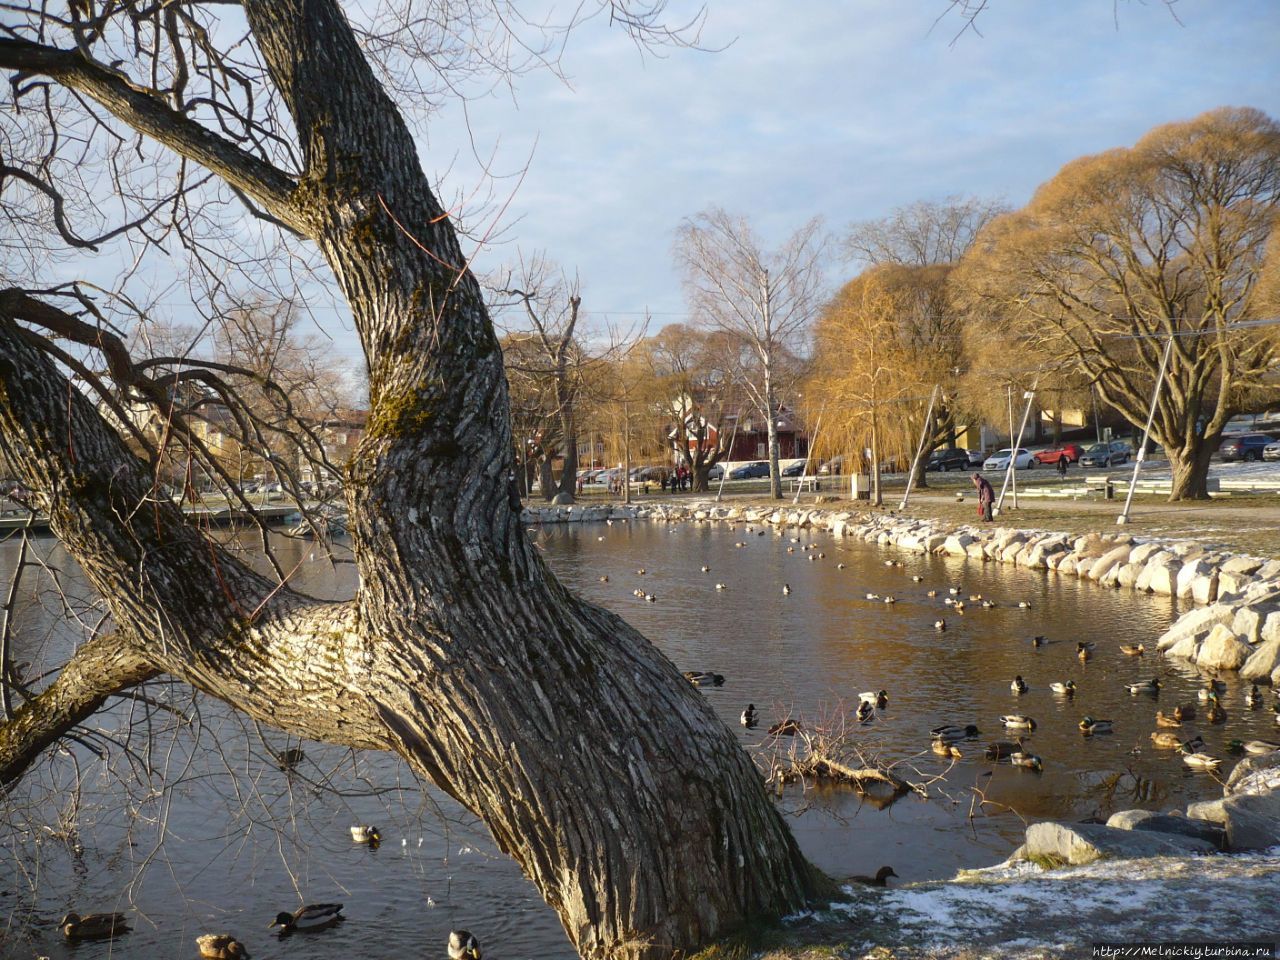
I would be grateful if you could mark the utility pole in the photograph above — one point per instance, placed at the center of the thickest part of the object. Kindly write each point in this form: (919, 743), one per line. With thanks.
(1013, 452)
(915, 462)
(1146, 432)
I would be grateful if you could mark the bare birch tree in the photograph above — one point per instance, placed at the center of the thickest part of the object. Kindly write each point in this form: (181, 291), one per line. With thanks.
(767, 298)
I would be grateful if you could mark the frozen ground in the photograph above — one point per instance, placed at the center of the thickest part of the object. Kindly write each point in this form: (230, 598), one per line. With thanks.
(1022, 912)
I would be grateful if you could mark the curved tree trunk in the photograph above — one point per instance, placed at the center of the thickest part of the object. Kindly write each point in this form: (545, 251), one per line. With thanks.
(592, 762)
(1190, 468)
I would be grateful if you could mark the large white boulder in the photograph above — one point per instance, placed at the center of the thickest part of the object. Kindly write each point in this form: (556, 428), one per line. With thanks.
(1108, 560)
(1264, 659)
(1197, 623)
(1222, 650)
(1191, 570)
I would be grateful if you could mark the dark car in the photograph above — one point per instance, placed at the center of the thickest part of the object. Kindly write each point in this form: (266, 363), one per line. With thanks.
(1106, 454)
(795, 470)
(948, 458)
(750, 471)
(1246, 446)
(1071, 452)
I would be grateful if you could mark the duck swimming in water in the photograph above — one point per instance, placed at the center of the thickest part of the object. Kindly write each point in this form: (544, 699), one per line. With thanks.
(314, 916)
(463, 946)
(1151, 686)
(1017, 721)
(881, 879)
(93, 926)
(1091, 726)
(1067, 689)
(877, 698)
(1018, 686)
(749, 716)
(221, 946)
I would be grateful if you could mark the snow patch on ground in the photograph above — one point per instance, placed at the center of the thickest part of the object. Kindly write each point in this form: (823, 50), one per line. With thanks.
(1019, 911)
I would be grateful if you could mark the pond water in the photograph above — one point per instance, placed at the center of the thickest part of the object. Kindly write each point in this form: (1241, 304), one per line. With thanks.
(222, 839)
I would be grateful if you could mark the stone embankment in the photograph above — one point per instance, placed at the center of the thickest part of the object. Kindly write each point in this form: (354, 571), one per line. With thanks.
(1234, 625)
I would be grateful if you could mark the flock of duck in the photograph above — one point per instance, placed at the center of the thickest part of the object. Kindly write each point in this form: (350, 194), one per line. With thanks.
(1173, 731)
(310, 918)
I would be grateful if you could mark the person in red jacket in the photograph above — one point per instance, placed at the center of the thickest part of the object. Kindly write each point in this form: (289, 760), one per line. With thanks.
(986, 496)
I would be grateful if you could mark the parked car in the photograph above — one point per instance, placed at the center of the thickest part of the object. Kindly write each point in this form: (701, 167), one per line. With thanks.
(1023, 460)
(976, 457)
(715, 473)
(1271, 451)
(1071, 452)
(948, 458)
(795, 470)
(1106, 454)
(834, 465)
(750, 471)
(1246, 446)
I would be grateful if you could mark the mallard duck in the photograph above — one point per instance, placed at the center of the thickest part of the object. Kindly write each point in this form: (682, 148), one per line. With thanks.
(988, 604)
(954, 591)
(890, 599)
(1018, 686)
(640, 571)
(221, 946)
(1166, 739)
(1258, 748)
(865, 712)
(881, 879)
(364, 833)
(1214, 712)
(1024, 605)
(1091, 726)
(1084, 654)
(93, 926)
(1039, 640)
(873, 596)
(1201, 761)
(931, 593)
(1132, 649)
(1167, 720)
(1016, 721)
(877, 698)
(1085, 645)
(314, 916)
(463, 946)
(1184, 711)
(953, 731)
(604, 578)
(1151, 686)
(940, 625)
(704, 679)
(1028, 761)
(1211, 688)
(840, 566)
(1253, 699)
(705, 568)
(749, 716)
(1067, 689)
(786, 589)
(720, 586)
(1003, 749)
(650, 598)
(916, 578)
(785, 728)
(945, 748)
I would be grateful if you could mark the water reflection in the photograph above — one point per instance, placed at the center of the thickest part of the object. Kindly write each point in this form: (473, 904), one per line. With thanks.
(221, 837)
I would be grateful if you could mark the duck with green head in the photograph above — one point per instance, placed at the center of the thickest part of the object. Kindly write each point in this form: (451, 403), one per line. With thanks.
(314, 916)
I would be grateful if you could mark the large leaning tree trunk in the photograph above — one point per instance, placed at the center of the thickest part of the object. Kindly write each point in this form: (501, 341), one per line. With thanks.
(593, 763)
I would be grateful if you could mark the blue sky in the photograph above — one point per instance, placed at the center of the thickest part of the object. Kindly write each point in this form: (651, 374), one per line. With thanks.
(840, 109)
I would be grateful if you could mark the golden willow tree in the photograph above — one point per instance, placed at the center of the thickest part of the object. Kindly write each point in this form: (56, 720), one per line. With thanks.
(590, 759)
(868, 369)
(1125, 251)
(883, 344)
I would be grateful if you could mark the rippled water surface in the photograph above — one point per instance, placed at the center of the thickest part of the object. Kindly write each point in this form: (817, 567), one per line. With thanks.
(242, 840)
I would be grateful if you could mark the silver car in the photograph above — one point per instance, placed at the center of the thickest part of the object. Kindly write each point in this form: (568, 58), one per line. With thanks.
(1271, 451)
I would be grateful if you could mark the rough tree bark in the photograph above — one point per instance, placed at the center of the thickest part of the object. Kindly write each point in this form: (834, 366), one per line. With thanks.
(592, 762)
